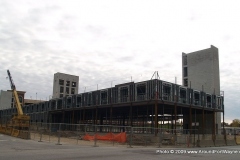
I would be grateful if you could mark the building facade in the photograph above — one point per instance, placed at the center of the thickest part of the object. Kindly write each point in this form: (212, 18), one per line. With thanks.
(200, 70)
(64, 85)
(7, 101)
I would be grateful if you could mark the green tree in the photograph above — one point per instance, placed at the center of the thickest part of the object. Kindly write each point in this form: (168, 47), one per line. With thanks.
(235, 123)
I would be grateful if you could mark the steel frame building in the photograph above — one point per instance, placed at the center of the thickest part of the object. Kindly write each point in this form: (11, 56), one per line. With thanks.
(146, 104)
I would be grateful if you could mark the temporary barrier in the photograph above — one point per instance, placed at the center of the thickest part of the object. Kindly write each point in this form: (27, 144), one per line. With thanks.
(120, 137)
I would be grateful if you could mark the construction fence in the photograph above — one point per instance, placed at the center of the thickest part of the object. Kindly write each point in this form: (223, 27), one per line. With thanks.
(109, 135)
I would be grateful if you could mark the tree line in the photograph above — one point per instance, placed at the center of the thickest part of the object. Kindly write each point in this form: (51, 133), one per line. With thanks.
(235, 123)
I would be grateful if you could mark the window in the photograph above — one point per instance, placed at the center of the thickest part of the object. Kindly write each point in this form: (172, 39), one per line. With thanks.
(89, 99)
(74, 84)
(61, 95)
(104, 97)
(67, 90)
(167, 88)
(185, 71)
(69, 101)
(68, 83)
(103, 94)
(79, 99)
(124, 91)
(141, 89)
(123, 94)
(196, 98)
(185, 82)
(183, 95)
(20, 99)
(61, 89)
(185, 60)
(61, 82)
(209, 101)
(72, 90)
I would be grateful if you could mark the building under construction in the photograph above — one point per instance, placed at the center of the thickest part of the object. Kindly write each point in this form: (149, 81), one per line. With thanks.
(145, 104)
(151, 103)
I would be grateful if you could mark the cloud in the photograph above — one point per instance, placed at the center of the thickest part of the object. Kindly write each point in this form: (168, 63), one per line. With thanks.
(110, 42)
(125, 59)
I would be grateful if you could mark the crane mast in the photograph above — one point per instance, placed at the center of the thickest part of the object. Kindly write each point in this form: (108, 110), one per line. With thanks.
(15, 95)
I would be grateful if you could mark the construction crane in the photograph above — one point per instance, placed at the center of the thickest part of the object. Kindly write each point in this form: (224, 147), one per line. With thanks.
(19, 124)
(15, 95)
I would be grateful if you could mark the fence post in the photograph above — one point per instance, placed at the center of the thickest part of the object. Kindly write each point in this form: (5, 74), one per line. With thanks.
(160, 139)
(50, 128)
(40, 136)
(35, 130)
(78, 132)
(234, 132)
(112, 135)
(59, 130)
(95, 138)
(188, 138)
(29, 131)
(131, 136)
(198, 140)
(194, 143)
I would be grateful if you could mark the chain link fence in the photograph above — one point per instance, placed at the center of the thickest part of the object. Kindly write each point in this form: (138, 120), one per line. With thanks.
(107, 135)
(82, 134)
(162, 137)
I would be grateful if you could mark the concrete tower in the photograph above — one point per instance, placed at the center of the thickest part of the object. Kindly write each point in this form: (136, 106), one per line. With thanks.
(200, 71)
(64, 85)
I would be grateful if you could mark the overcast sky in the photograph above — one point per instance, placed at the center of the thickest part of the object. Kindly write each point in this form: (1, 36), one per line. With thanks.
(113, 40)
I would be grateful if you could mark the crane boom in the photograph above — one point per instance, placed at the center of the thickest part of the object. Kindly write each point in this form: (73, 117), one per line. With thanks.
(11, 80)
(13, 87)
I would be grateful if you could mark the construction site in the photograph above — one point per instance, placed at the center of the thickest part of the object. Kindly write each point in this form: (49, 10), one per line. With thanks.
(149, 107)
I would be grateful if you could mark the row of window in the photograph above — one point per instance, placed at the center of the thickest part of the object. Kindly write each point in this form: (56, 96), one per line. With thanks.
(142, 91)
(67, 90)
(61, 82)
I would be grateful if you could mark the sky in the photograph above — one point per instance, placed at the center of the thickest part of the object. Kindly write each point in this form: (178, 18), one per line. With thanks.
(109, 42)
